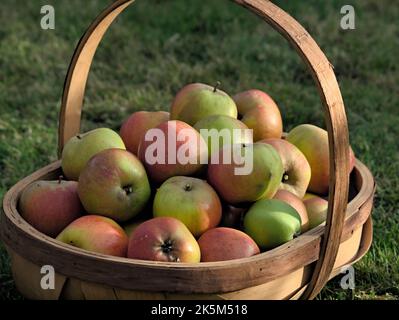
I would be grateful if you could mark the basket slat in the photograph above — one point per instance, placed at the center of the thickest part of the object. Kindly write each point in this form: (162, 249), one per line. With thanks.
(284, 287)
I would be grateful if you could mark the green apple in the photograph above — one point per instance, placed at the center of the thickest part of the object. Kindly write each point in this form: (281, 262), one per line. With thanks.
(79, 149)
(193, 201)
(262, 177)
(308, 195)
(130, 227)
(196, 101)
(219, 130)
(297, 170)
(271, 223)
(295, 202)
(114, 184)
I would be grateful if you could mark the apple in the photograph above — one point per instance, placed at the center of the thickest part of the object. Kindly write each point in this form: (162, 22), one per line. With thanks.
(172, 149)
(190, 200)
(134, 128)
(197, 100)
(308, 195)
(265, 122)
(297, 172)
(316, 208)
(222, 243)
(295, 202)
(97, 234)
(227, 130)
(114, 184)
(232, 216)
(272, 222)
(130, 227)
(49, 206)
(260, 113)
(163, 239)
(79, 149)
(313, 142)
(145, 214)
(250, 99)
(265, 171)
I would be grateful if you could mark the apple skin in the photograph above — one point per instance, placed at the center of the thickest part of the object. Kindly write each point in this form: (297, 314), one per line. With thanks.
(190, 200)
(49, 206)
(250, 99)
(163, 239)
(97, 234)
(297, 172)
(114, 184)
(223, 122)
(232, 216)
(271, 223)
(297, 204)
(134, 128)
(313, 142)
(265, 121)
(197, 100)
(79, 149)
(262, 182)
(159, 172)
(308, 195)
(130, 227)
(220, 244)
(316, 208)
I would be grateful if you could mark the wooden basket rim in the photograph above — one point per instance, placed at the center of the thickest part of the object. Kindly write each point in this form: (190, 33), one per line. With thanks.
(14, 226)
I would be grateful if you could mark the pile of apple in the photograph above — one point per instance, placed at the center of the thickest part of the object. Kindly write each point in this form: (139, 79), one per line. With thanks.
(115, 201)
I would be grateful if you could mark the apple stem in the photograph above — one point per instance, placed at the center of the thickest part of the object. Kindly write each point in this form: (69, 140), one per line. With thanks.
(187, 187)
(218, 83)
(60, 177)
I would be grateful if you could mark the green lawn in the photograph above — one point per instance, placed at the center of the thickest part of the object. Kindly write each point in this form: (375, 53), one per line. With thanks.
(157, 46)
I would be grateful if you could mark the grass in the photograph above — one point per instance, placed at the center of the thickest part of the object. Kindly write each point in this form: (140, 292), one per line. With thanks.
(156, 47)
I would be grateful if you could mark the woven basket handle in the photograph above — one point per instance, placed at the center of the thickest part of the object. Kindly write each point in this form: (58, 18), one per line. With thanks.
(319, 66)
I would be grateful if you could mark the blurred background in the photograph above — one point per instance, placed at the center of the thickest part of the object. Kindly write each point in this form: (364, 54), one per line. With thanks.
(157, 46)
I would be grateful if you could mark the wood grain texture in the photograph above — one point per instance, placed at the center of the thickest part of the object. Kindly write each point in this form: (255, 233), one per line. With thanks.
(203, 278)
(78, 71)
(289, 286)
(27, 278)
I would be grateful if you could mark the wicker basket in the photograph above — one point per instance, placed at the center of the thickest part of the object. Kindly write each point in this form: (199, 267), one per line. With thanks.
(298, 269)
